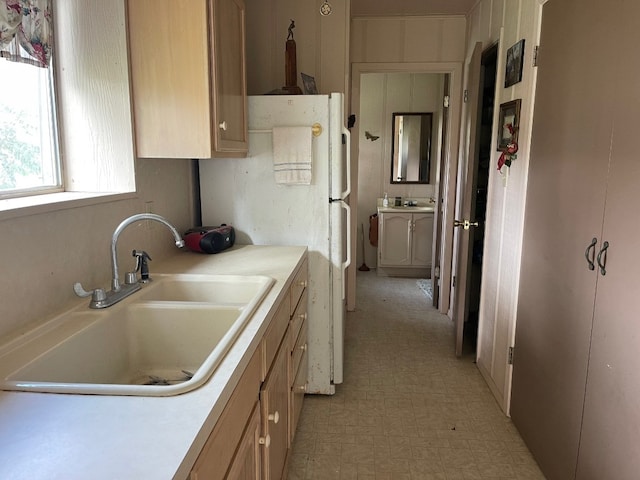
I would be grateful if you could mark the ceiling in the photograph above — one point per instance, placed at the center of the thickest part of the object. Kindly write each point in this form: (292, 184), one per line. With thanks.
(410, 7)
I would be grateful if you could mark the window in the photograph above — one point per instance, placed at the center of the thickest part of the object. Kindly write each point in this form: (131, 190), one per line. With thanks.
(29, 158)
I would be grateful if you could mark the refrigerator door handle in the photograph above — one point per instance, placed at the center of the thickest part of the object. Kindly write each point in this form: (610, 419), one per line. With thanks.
(347, 136)
(347, 261)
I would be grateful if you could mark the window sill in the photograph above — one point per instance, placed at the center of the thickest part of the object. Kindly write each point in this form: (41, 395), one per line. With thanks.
(52, 202)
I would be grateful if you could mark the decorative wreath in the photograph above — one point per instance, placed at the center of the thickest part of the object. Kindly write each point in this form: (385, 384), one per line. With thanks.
(509, 152)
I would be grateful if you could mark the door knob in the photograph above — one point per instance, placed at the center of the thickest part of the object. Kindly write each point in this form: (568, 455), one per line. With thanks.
(466, 224)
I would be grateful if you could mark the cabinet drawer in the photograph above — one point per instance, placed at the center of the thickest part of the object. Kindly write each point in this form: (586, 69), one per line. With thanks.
(273, 337)
(298, 318)
(223, 441)
(296, 397)
(298, 286)
(300, 348)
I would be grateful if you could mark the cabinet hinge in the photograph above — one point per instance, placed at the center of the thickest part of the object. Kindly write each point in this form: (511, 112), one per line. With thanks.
(535, 55)
(453, 282)
(436, 272)
(446, 101)
(510, 356)
(465, 97)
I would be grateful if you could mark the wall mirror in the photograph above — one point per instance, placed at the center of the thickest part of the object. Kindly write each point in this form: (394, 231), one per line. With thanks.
(411, 147)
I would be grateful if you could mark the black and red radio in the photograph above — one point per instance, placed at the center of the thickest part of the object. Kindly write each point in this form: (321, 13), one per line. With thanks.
(210, 239)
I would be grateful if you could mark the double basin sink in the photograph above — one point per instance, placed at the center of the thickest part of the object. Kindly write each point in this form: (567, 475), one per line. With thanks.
(164, 340)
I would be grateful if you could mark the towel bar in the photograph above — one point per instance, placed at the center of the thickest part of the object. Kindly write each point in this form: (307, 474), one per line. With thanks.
(316, 130)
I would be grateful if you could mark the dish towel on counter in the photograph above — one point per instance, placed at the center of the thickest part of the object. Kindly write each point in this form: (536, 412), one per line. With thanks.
(292, 155)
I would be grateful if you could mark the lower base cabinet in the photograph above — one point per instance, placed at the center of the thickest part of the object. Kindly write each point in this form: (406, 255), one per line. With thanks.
(246, 464)
(253, 436)
(405, 243)
(274, 400)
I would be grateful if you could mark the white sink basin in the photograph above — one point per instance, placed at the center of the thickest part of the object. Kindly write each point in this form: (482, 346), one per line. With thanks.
(219, 289)
(145, 345)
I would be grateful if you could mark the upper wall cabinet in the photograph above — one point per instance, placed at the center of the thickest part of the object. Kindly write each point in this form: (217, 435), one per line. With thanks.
(188, 78)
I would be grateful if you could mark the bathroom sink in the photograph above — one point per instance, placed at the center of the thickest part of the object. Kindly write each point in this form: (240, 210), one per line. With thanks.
(413, 208)
(167, 341)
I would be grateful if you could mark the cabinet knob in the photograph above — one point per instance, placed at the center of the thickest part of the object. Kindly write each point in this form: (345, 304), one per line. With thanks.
(303, 347)
(303, 316)
(303, 284)
(301, 388)
(266, 441)
(274, 417)
(223, 125)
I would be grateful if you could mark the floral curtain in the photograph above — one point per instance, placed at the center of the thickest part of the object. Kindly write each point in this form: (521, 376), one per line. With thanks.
(26, 31)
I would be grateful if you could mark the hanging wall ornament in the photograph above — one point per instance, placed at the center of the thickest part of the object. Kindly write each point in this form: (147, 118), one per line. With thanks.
(325, 8)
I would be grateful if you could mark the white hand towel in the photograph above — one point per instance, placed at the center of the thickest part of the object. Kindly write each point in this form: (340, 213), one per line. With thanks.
(292, 155)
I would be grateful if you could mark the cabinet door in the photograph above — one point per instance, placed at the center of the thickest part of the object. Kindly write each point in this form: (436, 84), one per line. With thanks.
(570, 147)
(169, 61)
(246, 463)
(395, 239)
(422, 239)
(274, 399)
(611, 426)
(221, 446)
(229, 86)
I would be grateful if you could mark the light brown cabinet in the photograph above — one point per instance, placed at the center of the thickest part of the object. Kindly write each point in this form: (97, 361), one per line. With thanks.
(274, 400)
(246, 463)
(252, 438)
(188, 77)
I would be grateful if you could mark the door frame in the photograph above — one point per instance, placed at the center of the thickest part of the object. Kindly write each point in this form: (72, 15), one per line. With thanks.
(446, 208)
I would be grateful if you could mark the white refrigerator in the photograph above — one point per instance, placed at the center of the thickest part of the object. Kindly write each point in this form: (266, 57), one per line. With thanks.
(243, 193)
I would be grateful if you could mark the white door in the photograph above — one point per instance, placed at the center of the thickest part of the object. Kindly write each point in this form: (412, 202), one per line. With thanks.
(464, 222)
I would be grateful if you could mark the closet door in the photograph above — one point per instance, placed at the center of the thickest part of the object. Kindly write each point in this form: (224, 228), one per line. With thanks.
(611, 428)
(565, 202)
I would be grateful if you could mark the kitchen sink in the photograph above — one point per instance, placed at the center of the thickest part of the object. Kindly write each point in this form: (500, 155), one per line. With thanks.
(224, 289)
(167, 341)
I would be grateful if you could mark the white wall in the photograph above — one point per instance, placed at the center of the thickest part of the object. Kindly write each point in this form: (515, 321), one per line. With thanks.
(382, 94)
(43, 254)
(516, 19)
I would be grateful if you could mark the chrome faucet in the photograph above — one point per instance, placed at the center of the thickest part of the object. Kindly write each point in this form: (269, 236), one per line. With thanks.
(102, 299)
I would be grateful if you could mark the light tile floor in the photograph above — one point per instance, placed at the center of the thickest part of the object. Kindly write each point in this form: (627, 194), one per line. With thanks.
(408, 408)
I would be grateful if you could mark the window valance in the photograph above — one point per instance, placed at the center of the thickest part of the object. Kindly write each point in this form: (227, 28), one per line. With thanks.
(26, 31)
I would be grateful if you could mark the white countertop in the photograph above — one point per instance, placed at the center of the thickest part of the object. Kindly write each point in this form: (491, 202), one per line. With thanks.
(61, 436)
(402, 209)
(422, 205)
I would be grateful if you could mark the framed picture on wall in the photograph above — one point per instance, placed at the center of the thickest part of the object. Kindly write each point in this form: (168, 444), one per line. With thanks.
(309, 84)
(513, 72)
(509, 120)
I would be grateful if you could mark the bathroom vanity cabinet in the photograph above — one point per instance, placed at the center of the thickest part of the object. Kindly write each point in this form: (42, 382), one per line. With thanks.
(254, 434)
(405, 242)
(188, 75)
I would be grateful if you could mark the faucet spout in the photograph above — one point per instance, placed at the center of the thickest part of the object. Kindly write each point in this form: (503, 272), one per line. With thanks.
(115, 282)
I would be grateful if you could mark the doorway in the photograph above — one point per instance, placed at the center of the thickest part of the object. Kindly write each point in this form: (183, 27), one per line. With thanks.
(479, 194)
(377, 175)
